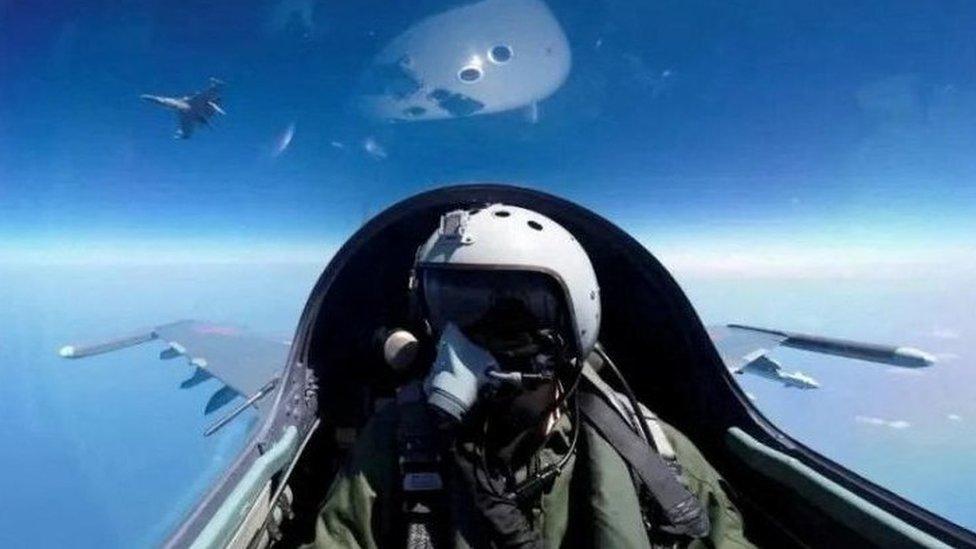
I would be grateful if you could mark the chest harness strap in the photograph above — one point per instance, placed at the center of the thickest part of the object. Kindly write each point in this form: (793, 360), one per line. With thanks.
(420, 470)
(680, 507)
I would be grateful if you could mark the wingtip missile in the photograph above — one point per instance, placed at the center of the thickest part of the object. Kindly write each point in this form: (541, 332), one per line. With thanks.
(914, 358)
(82, 351)
(216, 107)
(906, 357)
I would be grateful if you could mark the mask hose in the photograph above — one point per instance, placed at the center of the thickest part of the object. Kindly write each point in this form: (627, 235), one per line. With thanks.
(531, 486)
(642, 425)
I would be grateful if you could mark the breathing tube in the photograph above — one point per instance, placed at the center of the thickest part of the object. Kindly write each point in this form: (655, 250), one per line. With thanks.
(645, 431)
(530, 486)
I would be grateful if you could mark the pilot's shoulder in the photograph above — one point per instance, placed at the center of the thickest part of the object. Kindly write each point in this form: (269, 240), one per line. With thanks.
(707, 484)
(692, 462)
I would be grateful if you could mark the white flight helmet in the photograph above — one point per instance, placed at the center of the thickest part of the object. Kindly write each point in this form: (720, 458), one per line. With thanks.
(499, 240)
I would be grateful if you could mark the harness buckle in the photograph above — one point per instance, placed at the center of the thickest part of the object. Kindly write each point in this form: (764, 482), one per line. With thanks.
(422, 481)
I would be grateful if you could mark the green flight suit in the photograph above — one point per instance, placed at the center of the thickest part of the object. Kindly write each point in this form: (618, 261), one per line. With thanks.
(361, 509)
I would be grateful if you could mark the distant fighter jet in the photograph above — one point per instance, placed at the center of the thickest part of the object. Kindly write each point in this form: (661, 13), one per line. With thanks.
(192, 109)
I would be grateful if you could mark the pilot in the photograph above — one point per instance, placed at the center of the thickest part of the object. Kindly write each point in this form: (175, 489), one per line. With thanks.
(512, 436)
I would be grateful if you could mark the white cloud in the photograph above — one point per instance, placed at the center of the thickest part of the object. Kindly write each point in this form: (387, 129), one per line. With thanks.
(728, 259)
(870, 420)
(945, 333)
(954, 417)
(877, 421)
(162, 251)
(373, 148)
(283, 141)
(750, 250)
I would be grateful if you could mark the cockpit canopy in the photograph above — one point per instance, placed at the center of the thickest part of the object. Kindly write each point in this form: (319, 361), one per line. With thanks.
(648, 323)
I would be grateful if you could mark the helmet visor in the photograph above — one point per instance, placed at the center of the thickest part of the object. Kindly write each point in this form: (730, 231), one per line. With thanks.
(485, 302)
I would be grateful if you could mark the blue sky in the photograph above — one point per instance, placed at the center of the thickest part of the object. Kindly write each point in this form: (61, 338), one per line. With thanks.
(680, 119)
(807, 167)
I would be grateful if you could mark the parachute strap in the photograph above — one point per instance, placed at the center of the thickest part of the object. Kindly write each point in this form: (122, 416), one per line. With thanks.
(680, 507)
(661, 442)
(419, 467)
(620, 403)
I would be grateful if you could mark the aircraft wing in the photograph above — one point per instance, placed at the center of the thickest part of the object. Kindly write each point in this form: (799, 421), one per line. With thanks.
(238, 358)
(248, 365)
(739, 344)
(736, 347)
